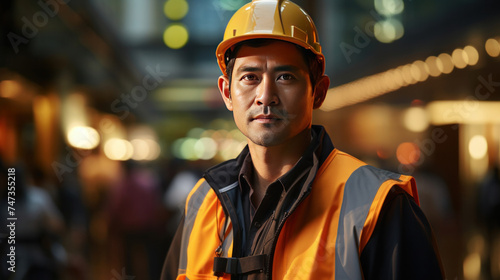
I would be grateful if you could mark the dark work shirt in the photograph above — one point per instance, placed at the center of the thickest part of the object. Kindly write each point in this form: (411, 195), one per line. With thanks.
(260, 219)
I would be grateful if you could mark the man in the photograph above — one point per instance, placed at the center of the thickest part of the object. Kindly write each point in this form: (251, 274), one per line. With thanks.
(291, 206)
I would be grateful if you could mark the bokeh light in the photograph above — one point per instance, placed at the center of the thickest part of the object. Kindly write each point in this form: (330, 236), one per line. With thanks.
(432, 66)
(419, 70)
(83, 137)
(492, 47)
(176, 9)
(208, 144)
(176, 36)
(415, 119)
(118, 149)
(408, 153)
(154, 149)
(205, 148)
(10, 89)
(472, 55)
(445, 63)
(472, 266)
(406, 73)
(140, 149)
(388, 30)
(389, 7)
(459, 58)
(478, 147)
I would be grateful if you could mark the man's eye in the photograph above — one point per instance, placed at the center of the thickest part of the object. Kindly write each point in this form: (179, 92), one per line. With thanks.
(249, 77)
(285, 77)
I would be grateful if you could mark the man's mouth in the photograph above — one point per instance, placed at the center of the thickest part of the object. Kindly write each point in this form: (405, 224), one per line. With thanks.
(266, 118)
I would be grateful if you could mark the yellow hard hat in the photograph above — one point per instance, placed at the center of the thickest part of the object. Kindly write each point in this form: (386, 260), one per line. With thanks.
(272, 19)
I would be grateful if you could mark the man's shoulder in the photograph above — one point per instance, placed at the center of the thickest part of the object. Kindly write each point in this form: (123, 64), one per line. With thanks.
(340, 162)
(343, 164)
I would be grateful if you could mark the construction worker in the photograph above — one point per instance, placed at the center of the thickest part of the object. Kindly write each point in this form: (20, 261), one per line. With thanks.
(291, 205)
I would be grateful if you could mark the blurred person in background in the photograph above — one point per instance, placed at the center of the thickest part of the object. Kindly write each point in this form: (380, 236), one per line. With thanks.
(69, 200)
(136, 218)
(38, 229)
(291, 205)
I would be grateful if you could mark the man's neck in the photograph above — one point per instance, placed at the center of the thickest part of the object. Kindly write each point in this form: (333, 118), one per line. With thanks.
(270, 163)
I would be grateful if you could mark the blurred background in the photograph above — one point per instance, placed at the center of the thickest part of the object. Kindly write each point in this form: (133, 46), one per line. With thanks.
(109, 112)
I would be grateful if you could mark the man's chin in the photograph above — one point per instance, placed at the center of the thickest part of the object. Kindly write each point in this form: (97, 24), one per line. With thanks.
(267, 139)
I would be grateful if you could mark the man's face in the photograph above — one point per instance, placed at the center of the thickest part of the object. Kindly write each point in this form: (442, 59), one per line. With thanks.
(271, 94)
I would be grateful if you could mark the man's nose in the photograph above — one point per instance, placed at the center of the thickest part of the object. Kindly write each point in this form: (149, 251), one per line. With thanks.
(267, 93)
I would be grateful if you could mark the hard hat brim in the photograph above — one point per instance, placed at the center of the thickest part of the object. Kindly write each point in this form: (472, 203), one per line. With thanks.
(229, 43)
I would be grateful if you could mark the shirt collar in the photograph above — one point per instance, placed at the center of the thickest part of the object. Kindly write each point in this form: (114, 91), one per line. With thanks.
(287, 180)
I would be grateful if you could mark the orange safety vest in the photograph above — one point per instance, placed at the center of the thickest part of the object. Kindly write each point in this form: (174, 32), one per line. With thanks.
(323, 237)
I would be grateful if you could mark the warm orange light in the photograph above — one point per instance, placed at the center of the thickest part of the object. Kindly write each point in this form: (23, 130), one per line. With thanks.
(407, 75)
(393, 79)
(118, 149)
(460, 58)
(10, 89)
(415, 119)
(419, 70)
(472, 55)
(446, 63)
(432, 66)
(408, 153)
(472, 266)
(492, 47)
(83, 137)
(478, 147)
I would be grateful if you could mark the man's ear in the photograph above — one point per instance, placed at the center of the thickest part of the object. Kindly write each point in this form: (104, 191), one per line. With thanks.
(223, 84)
(320, 91)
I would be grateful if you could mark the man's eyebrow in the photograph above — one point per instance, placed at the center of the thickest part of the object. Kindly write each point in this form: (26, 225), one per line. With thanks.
(286, 68)
(280, 68)
(245, 68)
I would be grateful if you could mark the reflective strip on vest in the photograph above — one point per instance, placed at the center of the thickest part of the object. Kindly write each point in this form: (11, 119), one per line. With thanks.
(227, 245)
(359, 194)
(198, 239)
(195, 199)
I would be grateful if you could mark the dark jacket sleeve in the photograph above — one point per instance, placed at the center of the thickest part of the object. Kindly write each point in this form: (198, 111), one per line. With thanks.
(402, 245)
(171, 264)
